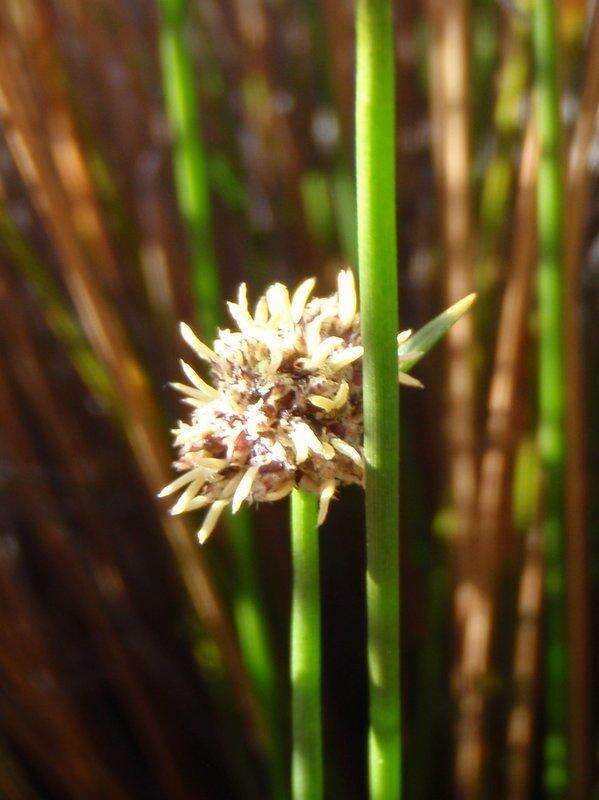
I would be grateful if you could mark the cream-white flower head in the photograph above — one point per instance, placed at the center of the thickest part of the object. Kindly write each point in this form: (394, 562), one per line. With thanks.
(285, 405)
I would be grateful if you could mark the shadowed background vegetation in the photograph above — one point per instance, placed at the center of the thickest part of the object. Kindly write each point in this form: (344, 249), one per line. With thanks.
(152, 156)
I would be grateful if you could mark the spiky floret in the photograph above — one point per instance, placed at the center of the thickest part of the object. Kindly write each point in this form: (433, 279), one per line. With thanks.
(285, 409)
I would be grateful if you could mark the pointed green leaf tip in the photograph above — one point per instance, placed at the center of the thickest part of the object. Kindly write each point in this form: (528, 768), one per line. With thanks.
(427, 337)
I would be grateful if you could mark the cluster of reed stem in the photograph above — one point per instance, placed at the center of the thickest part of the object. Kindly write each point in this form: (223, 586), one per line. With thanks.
(377, 256)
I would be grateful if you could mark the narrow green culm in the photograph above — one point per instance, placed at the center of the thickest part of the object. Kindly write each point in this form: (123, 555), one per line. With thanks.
(191, 177)
(551, 392)
(180, 89)
(305, 655)
(251, 623)
(377, 255)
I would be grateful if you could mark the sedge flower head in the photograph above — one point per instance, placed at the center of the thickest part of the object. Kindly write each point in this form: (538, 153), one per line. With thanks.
(284, 405)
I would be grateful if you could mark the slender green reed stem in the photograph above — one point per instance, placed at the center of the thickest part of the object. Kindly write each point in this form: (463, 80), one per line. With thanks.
(191, 178)
(551, 391)
(180, 89)
(252, 630)
(305, 656)
(377, 253)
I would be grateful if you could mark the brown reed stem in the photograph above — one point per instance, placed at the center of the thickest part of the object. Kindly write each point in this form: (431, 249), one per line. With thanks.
(339, 30)
(451, 154)
(63, 775)
(501, 438)
(57, 316)
(520, 729)
(136, 152)
(71, 448)
(576, 205)
(39, 713)
(108, 339)
(525, 670)
(63, 140)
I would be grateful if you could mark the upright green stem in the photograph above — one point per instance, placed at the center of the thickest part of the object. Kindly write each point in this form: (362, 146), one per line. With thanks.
(191, 176)
(551, 391)
(305, 657)
(189, 157)
(252, 630)
(377, 253)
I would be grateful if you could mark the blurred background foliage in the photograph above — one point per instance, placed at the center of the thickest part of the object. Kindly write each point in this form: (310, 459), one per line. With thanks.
(152, 156)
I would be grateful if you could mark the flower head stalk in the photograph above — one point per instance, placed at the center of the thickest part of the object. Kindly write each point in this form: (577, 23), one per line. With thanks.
(284, 408)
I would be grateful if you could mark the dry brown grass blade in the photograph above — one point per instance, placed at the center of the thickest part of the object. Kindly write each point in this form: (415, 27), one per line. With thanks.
(54, 309)
(501, 439)
(339, 28)
(71, 449)
(44, 724)
(35, 27)
(450, 112)
(454, 180)
(451, 154)
(108, 339)
(63, 775)
(434, 67)
(137, 151)
(501, 435)
(495, 475)
(526, 663)
(520, 731)
(37, 712)
(525, 671)
(577, 195)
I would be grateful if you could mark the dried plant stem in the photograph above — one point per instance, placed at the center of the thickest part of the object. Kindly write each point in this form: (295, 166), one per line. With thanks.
(38, 507)
(521, 721)
(451, 151)
(109, 341)
(377, 253)
(550, 193)
(64, 142)
(119, 111)
(501, 438)
(339, 31)
(501, 432)
(496, 191)
(57, 315)
(305, 657)
(577, 191)
(70, 446)
(454, 164)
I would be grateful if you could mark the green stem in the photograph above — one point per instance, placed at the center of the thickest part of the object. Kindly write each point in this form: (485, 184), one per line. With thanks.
(191, 176)
(305, 657)
(254, 640)
(551, 390)
(189, 157)
(377, 252)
